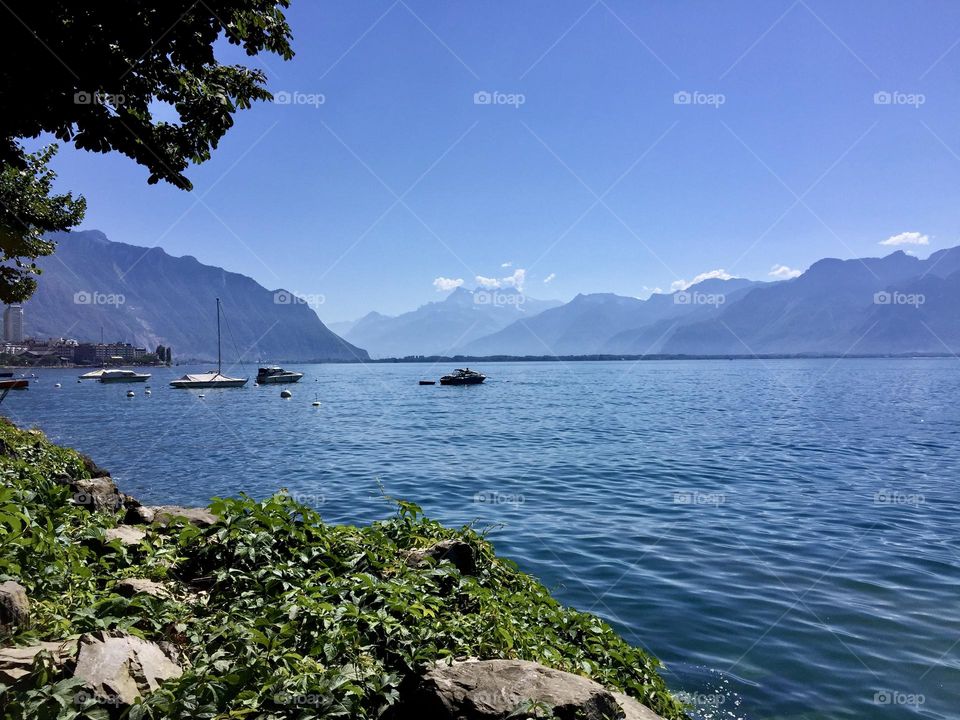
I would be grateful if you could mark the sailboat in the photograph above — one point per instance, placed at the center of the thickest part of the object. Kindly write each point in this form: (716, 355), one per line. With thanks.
(211, 379)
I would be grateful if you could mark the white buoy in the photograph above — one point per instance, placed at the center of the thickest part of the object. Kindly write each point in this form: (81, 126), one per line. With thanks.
(147, 392)
(57, 385)
(316, 403)
(286, 394)
(201, 396)
(130, 393)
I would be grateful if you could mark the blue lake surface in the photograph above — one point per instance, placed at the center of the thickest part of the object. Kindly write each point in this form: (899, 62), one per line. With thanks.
(783, 534)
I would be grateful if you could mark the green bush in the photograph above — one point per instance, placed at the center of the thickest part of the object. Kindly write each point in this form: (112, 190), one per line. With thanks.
(276, 613)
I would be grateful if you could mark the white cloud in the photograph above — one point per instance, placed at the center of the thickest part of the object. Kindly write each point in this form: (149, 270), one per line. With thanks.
(782, 272)
(549, 278)
(508, 263)
(443, 284)
(720, 274)
(907, 238)
(516, 280)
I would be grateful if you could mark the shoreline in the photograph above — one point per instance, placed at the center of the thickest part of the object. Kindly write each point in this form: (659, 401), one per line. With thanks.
(262, 604)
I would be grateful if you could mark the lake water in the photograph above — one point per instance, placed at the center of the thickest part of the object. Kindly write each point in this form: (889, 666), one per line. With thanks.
(784, 535)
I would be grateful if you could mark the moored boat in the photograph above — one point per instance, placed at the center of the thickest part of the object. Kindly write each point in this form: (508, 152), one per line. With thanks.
(210, 379)
(17, 384)
(273, 374)
(118, 376)
(93, 374)
(463, 376)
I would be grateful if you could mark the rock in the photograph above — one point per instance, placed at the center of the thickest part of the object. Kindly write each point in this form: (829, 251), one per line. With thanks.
(126, 534)
(165, 514)
(94, 470)
(494, 689)
(14, 607)
(96, 494)
(134, 586)
(457, 552)
(634, 709)
(15, 662)
(120, 668)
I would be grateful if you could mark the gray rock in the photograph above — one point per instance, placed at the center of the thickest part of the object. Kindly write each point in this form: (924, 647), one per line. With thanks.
(634, 709)
(120, 668)
(457, 552)
(15, 662)
(98, 493)
(493, 689)
(126, 534)
(141, 586)
(14, 606)
(165, 514)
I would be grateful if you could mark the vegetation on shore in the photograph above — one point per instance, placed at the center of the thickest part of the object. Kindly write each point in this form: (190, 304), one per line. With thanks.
(276, 613)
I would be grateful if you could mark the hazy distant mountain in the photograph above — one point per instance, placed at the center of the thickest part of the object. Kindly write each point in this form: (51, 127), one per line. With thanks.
(147, 297)
(604, 322)
(895, 304)
(442, 327)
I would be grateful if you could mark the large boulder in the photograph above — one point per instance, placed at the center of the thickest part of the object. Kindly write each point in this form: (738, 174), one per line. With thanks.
(14, 607)
(457, 552)
(15, 662)
(165, 514)
(120, 668)
(99, 493)
(498, 689)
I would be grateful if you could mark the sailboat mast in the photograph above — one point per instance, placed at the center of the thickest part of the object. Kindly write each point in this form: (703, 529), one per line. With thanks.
(218, 336)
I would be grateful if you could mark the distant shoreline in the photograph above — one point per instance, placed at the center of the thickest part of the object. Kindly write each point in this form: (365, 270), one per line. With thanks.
(421, 359)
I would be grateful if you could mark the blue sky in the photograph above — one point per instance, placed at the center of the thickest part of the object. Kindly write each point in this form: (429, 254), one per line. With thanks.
(587, 171)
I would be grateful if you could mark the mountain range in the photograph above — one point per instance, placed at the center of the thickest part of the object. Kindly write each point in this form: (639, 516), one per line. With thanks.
(439, 328)
(92, 286)
(898, 304)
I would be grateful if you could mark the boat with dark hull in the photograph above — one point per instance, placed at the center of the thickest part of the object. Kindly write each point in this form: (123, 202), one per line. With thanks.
(121, 376)
(272, 375)
(463, 376)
